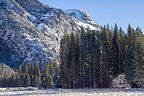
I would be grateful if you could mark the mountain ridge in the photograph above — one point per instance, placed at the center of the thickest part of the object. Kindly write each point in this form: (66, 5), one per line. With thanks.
(30, 33)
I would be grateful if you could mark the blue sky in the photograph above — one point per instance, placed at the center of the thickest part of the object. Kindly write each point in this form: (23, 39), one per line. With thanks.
(122, 12)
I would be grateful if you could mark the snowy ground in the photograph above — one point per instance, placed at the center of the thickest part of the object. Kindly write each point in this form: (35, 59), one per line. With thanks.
(68, 92)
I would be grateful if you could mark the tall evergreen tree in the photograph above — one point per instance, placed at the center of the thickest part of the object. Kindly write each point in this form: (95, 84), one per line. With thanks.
(27, 80)
(115, 53)
(77, 61)
(37, 74)
(13, 81)
(82, 56)
(105, 64)
(45, 71)
(20, 70)
(64, 57)
(96, 58)
(122, 47)
(18, 82)
(130, 54)
(138, 78)
(47, 81)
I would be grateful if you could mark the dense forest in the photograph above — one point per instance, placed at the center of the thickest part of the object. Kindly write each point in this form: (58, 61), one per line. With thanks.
(92, 59)
(88, 59)
(30, 75)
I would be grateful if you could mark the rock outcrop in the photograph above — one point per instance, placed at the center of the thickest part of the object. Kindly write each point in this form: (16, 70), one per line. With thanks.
(82, 18)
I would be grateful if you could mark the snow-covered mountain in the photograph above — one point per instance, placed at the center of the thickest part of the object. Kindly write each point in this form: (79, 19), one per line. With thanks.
(82, 18)
(31, 31)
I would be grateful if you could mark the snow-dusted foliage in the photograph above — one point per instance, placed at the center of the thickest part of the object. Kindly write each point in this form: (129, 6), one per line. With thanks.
(120, 82)
(139, 81)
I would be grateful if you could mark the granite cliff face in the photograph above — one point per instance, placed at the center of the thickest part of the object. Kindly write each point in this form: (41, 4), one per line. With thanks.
(31, 31)
(82, 18)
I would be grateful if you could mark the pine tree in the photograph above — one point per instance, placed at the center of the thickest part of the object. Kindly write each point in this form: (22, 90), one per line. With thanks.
(56, 73)
(139, 57)
(50, 69)
(37, 74)
(18, 82)
(29, 69)
(130, 54)
(20, 70)
(21, 79)
(105, 64)
(26, 69)
(82, 56)
(45, 71)
(13, 81)
(122, 47)
(47, 81)
(90, 64)
(64, 58)
(36, 81)
(77, 60)
(115, 53)
(72, 59)
(32, 79)
(31, 74)
(110, 32)
(96, 58)
(62, 62)
(27, 80)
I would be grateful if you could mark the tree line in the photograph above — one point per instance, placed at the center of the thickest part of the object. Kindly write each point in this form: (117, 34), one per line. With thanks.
(88, 59)
(92, 59)
(30, 75)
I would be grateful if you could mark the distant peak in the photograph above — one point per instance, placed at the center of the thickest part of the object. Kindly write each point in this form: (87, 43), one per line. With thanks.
(82, 18)
(79, 10)
(79, 14)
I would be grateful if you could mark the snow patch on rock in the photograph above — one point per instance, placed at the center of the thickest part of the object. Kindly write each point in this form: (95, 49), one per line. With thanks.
(82, 18)
(32, 18)
(85, 25)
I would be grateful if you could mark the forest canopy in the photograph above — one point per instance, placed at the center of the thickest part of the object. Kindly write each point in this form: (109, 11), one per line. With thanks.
(92, 59)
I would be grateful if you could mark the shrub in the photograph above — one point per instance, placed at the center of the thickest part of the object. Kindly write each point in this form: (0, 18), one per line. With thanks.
(120, 82)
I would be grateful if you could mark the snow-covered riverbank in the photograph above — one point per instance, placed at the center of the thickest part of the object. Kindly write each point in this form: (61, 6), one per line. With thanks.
(69, 92)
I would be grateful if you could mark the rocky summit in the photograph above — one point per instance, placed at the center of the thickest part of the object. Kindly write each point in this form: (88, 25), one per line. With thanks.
(31, 31)
(82, 18)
